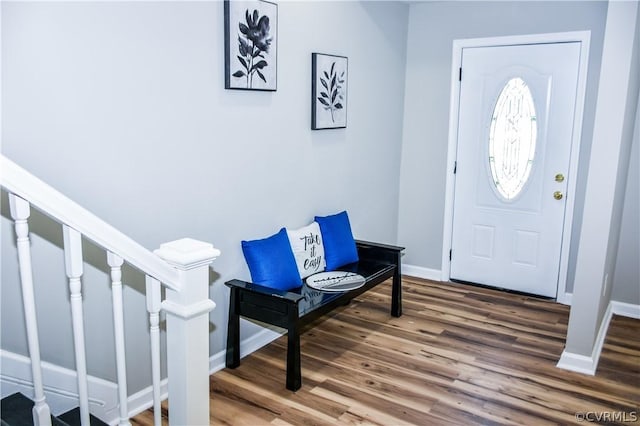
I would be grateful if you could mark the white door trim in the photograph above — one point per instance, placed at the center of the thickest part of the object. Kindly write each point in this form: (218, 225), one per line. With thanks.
(577, 36)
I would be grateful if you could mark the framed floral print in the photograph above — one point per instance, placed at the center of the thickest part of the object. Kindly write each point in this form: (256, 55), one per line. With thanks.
(328, 91)
(250, 45)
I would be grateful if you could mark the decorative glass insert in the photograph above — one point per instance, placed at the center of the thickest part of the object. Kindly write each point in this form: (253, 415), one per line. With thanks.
(512, 138)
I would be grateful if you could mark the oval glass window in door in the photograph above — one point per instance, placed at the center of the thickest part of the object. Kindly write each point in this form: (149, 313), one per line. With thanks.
(512, 139)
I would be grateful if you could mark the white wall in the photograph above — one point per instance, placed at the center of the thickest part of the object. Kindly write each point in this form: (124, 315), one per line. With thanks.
(122, 107)
(432, 28)
(626, 278)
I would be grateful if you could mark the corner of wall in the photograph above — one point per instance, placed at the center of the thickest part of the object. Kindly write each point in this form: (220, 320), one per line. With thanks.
(587, 364)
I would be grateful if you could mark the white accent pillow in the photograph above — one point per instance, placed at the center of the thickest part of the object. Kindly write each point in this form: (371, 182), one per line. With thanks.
(307, 247)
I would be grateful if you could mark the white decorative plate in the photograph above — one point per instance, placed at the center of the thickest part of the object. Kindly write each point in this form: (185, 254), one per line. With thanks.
(335, 281)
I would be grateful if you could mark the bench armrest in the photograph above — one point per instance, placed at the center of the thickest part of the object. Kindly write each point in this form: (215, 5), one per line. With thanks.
(378, 251)
(292, 297)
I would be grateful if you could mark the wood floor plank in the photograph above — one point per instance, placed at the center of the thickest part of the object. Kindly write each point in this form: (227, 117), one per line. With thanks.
(459, 355)
(284, 404)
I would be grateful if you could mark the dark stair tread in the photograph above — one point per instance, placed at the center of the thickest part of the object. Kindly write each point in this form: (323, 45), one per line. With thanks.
(16, 410)
(72, 418)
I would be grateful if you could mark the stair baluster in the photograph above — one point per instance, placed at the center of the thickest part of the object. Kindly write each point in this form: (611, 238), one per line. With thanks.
(20, 211)
(115, 262)
(153, 307)
(74, 268)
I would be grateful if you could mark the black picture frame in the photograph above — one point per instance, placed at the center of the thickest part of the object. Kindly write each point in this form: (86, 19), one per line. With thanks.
(329, 84)
(251, 45)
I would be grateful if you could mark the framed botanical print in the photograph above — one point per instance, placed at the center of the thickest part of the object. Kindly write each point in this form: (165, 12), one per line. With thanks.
(251, 45)
(328, 91)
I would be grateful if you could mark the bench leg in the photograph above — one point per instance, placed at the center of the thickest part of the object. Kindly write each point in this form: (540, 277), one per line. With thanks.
(396, 290)
(294, 370)
(233, 331)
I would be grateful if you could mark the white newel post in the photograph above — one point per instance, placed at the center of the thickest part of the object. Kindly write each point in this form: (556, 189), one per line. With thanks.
(188, 330)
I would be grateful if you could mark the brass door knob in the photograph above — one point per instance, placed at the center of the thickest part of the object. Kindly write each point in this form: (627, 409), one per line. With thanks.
(559, 177)
(557, 195)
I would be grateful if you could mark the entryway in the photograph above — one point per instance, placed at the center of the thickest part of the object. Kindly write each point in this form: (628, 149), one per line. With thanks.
(518, 120)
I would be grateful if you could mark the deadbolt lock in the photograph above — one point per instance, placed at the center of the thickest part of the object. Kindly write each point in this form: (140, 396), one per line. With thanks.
(559, 177)
(557, 195)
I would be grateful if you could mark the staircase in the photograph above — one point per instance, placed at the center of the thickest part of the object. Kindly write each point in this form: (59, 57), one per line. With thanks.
(17, 410)
(177, 272)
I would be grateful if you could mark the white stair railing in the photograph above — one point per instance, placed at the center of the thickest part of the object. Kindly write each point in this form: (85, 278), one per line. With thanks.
(180, 266)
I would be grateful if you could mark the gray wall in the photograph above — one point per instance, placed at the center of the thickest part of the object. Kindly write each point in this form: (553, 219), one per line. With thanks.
(122, 107)
(626, 269)
(432, 28)
(626, 278)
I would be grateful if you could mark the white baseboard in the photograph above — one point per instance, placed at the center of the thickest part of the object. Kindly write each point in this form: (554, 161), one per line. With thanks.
(61, 386)
(252, 344)
(625, 309)
(565, 298)
(143, 400)
(421, 272)
(588, 364)
(577, 363)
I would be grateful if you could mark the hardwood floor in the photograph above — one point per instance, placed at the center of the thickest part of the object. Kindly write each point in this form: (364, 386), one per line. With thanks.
(459, 355)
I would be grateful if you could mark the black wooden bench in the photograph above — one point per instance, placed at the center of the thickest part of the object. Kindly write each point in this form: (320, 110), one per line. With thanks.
(294, 309)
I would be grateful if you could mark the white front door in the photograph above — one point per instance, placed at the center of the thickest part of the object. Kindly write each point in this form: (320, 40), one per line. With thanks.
(516, 118)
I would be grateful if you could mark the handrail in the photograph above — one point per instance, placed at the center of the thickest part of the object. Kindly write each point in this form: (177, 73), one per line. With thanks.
(55, 204)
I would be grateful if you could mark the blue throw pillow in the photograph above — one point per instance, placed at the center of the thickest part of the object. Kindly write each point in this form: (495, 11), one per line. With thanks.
(271, 262)
(339, 245)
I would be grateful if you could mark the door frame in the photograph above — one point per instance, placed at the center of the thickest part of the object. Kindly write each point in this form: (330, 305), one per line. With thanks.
(583, 37)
